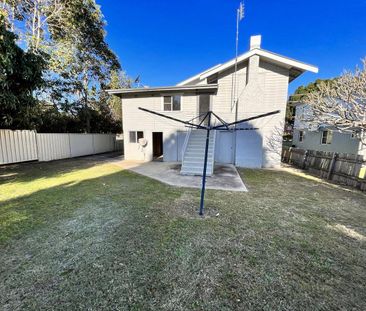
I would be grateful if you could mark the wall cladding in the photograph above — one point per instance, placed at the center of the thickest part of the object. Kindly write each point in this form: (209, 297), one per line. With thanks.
(22, 146)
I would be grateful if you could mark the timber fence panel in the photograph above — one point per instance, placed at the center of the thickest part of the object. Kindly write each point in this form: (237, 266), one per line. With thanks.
(341, 168)
(17, 146)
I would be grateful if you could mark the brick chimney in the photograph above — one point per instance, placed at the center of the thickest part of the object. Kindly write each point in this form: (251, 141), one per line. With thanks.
(253, 62)
(255, 42)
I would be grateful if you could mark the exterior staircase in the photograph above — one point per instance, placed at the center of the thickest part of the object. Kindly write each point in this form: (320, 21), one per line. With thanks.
(194, 153)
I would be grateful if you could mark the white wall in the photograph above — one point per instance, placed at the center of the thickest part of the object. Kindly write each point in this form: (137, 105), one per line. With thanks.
(265, 90)
(137, 120)
(341, 142)
(262, 87)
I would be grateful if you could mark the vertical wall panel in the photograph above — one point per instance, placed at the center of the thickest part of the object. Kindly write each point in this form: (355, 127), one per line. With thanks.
(81, 144)
(21, 146)
(103, 142)
(17, 146)
(53, 146)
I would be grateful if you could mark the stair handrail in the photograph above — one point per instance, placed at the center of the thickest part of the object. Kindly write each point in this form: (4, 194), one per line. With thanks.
(185, 144)
(213, 150)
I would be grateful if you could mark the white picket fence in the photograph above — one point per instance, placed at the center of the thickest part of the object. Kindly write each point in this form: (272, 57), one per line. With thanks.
(21, 146)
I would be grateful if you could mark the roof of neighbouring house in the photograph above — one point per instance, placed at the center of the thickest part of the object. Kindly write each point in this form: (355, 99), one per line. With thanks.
(207, 88)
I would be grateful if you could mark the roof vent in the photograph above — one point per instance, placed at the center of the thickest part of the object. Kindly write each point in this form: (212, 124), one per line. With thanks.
(255, 42)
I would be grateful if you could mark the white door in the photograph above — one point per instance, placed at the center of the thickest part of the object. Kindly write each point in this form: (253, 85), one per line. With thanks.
(224, 147)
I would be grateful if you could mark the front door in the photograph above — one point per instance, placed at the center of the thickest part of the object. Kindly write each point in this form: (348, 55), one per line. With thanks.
(204, 106)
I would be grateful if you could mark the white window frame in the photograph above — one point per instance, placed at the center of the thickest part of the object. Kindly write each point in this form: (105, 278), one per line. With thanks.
(328, 137)
(301, 136)
(171, 96)
(136, 136)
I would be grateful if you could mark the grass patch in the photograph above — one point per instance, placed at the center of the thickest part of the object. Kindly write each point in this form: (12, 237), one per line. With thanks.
(86, 235)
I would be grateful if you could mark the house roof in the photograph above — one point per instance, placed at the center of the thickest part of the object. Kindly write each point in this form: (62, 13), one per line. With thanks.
(296, 67)
(165, 89)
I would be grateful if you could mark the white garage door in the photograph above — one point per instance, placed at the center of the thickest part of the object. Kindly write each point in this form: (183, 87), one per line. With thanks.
(224, 147)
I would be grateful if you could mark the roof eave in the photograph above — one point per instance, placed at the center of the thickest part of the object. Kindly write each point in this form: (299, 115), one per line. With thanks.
(266, 55)
(165, 89)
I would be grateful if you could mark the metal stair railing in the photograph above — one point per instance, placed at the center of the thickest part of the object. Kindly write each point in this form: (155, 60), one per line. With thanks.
(185, 144)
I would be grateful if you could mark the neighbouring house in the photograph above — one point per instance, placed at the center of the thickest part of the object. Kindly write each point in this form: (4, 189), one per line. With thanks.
(323, 138)
(260, 85)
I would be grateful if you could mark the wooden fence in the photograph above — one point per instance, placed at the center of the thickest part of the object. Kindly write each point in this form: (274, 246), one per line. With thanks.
(21, 146)
(342, 168)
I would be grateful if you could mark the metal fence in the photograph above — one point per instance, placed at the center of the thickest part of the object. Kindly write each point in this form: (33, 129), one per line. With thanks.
(342, 168)
(21, 146)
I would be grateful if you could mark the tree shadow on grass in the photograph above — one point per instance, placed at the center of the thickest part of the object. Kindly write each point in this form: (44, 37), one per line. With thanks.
(25, 172)
(90, 244)
(108, 243)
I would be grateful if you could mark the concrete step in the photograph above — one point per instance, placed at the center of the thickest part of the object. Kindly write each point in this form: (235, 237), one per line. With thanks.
(196, 157)
(199, 150)
(196, 164)
(195, 172)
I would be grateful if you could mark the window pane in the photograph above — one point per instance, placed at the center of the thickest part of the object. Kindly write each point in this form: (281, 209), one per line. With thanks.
(167, 107)
(140, 135)
(324, 137)
(329, 137)
(176, 102)
(167, 99)
(132, 137)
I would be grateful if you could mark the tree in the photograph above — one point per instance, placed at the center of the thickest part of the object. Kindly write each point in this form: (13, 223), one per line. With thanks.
(339, 103)
(118, 80)
(20, 76)
(86, 62)
(80, 63)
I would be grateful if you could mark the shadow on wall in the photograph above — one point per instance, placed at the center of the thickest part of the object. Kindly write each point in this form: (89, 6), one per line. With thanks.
(248, 151)
(249, 146)
(273, 147)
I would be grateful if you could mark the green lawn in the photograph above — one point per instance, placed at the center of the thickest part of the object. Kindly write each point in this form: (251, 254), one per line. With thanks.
(84, 235)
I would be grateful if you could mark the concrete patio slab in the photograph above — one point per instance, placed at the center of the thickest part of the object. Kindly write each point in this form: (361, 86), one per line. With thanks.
(225, 176)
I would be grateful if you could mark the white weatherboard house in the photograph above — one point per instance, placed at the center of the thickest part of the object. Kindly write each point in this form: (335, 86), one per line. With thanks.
(324, 138)
(260, 85)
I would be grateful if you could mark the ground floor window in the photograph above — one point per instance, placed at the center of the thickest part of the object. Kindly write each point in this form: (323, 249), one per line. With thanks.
(301, 136)
(326, 137)
(135, 136)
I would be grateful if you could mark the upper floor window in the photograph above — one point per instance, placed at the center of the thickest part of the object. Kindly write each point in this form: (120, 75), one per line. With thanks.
(301, 136)
(172, 103)
(326, 137)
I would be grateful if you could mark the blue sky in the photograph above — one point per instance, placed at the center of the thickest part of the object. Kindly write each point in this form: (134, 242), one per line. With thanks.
(168, 41)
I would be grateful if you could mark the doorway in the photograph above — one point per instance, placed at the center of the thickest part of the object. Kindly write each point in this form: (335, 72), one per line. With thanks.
(157, 138)
(204, 106)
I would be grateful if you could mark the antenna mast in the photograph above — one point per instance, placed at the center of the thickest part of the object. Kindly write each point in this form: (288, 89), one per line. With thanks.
(239, 17)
